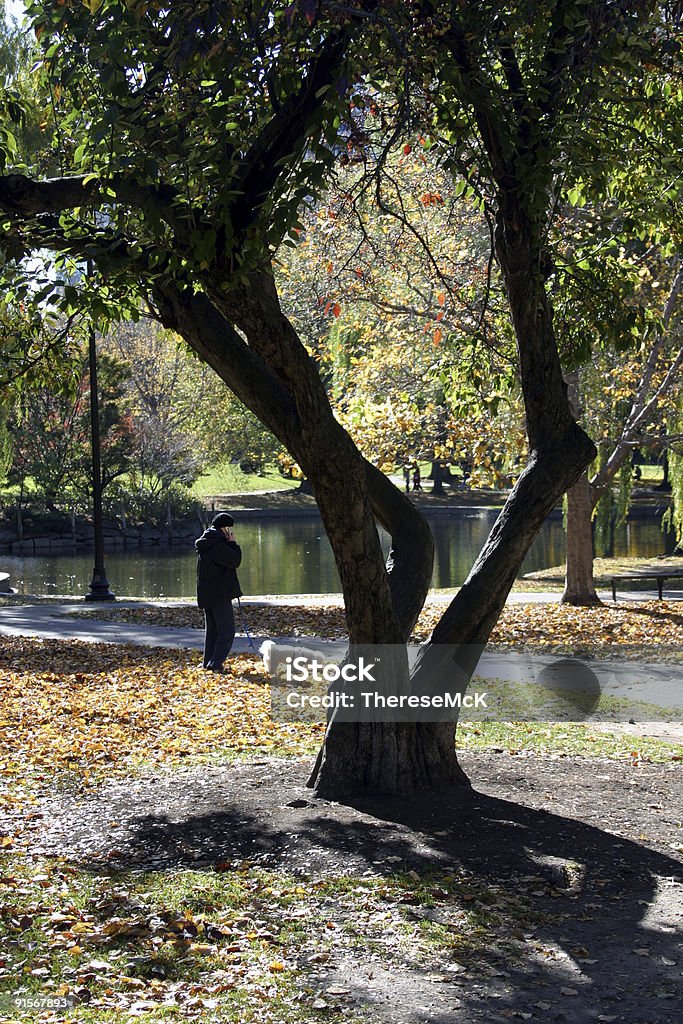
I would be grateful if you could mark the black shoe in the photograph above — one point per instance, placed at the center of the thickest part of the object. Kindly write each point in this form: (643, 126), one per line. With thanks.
(219, 671)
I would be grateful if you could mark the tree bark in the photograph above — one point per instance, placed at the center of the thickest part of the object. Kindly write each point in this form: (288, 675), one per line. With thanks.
(440, 475)
(579, 586)
(213, 337)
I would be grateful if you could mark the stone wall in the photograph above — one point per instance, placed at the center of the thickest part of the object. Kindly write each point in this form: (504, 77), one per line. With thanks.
(46, 538)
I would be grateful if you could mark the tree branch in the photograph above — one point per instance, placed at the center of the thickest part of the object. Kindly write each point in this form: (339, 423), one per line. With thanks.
(24, 197)
(642, 407)
(284, 133)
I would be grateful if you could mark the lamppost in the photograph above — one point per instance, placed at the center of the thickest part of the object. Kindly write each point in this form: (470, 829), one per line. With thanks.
(99, 584)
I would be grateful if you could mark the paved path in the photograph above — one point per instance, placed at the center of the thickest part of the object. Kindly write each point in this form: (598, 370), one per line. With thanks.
(51, 619)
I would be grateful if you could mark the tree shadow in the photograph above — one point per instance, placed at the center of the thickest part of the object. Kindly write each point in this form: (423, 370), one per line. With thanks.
(600, 936)
(81, 656)
(664, 616)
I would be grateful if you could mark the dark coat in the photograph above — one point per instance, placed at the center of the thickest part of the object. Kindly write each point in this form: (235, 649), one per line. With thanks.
(217, 581)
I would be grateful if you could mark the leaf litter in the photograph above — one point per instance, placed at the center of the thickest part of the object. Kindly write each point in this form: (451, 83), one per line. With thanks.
(90, 712)
(655, 624)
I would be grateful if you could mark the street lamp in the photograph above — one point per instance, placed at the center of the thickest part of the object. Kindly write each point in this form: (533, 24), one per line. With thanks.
(99, 584)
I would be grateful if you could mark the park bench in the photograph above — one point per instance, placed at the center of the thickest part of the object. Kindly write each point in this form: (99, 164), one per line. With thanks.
(654, 575)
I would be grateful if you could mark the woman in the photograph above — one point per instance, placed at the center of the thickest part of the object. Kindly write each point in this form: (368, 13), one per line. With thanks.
(217, 584)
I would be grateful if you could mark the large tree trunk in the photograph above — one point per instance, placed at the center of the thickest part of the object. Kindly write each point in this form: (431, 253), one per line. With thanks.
(559, 452)
(579, 586)
(276, 378)
(378, 757)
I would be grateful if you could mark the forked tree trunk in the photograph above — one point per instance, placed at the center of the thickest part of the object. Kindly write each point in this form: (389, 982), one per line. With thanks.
(579, 586)
(357, 757)
(276, 378)
(423, 755)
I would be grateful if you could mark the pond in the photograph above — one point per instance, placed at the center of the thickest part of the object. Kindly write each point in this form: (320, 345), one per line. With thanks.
(292, 555)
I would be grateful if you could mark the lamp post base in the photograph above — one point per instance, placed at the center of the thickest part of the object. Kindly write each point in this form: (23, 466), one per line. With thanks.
(99, 588)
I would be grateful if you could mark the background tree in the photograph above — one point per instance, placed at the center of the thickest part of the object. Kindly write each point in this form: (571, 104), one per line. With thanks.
(184, 419)
(637, 395)
(407, 320)
(161, 394)
(618, 283)
(51, 437)
(674, 518)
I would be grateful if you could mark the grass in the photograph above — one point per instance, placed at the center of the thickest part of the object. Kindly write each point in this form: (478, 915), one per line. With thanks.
(568, 702)
(232, 940)
(651, 474)
(552, 578)
(229, 479)
(172, 944)
(564, 739)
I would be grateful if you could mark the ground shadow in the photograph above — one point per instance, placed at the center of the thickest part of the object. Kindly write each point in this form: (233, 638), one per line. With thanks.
(606, 907)
(80, 656)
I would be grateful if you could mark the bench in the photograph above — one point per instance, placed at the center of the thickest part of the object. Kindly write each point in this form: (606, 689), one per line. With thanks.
(658, 576)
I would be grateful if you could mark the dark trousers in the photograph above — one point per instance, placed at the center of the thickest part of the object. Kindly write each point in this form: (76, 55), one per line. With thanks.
(220, 633)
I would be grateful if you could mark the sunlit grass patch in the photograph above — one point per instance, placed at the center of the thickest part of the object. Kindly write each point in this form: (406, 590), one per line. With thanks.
(563, 739)
(227, 478)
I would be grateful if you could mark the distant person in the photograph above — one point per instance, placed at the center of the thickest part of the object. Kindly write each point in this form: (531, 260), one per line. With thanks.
(406, 477)
(219, 554)
(417, 486)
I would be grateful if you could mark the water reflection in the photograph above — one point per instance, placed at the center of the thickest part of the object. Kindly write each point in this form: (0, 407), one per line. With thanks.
(289, 556)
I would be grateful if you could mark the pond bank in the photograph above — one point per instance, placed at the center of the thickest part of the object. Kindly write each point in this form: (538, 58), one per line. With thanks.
(285, 547)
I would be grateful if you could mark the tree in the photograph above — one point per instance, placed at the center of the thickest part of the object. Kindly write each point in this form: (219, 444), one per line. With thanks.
(161, 394)
(52, 442)
(206, 129)
(617, 284)
(404, 321)
(674, 516)
(644, 391)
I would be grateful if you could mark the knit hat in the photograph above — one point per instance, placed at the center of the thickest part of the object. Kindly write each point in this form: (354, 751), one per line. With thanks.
(222, 519)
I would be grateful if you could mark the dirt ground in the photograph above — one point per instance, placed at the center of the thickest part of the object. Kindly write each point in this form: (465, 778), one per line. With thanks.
(590, 848)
